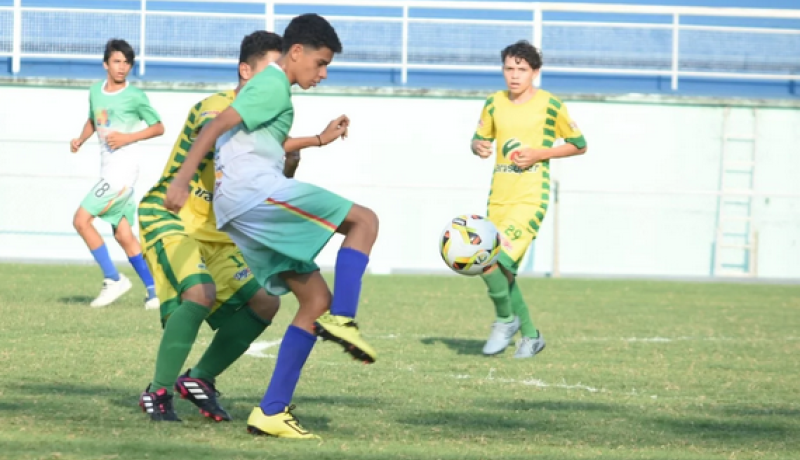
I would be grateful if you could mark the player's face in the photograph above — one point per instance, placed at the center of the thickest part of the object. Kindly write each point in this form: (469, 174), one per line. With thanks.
(310, 66)
(519, 74)
(117, 67)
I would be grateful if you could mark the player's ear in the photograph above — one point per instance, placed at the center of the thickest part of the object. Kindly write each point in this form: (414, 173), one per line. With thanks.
(105, 65)
(244, 71)
(296, 51)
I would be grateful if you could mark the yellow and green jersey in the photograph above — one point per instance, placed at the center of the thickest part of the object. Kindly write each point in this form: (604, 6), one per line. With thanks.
(196, 218)
(536, 124)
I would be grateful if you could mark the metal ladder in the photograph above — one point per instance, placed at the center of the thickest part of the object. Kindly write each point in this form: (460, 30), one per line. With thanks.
(736, 242)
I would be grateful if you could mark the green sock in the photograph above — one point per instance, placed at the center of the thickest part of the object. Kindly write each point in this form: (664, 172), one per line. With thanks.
(230, 342)
(520, 308)
(497, 283)
(180, 332)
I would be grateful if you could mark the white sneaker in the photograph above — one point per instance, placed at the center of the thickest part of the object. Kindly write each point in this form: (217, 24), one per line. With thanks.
(501, 336)
(529, 347)
(112, 290)
(152, 304)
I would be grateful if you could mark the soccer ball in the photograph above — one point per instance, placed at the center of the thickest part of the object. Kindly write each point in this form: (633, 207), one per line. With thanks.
(470, 245)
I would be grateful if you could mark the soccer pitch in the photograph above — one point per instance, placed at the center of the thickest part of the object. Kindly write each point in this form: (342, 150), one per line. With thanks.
(632, 370)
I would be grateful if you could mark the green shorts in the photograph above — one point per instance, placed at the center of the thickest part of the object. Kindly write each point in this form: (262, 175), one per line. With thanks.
(110, 204)
(286, 232)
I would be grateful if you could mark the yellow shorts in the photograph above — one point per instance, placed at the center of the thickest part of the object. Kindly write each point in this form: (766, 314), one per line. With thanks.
(518, 226)
(179, 262)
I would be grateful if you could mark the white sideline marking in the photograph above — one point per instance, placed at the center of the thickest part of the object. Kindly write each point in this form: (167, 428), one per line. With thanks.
(257, 348)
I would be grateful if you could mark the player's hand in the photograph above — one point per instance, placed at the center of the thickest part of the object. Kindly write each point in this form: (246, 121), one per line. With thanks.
(335, 129)
(75, 145)
(528, 157)
(177, 194)
(117, 140)
(482, 148)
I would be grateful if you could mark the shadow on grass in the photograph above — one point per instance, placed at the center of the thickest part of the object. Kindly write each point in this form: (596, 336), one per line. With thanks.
(460, 346)
(76, 299)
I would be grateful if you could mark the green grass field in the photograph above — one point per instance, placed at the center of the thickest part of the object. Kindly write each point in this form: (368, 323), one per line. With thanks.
(632, 370)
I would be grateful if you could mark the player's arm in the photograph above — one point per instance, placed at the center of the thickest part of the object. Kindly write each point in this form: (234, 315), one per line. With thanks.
(86, 133)
(256, 105)
(567, 129)
(336, 128)
(147, 114)
(178, 190)
(575, 143)
(485, 133)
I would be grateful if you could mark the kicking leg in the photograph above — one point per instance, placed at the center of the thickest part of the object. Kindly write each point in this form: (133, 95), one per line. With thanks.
(360, 228)
(507, 323)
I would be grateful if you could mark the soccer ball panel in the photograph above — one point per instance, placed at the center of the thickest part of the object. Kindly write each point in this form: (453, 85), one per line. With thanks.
(470, 245)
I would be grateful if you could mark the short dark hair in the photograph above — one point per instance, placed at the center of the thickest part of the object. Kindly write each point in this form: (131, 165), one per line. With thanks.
(122, 46)
(313, 31)
(523, 50)
(257, 44)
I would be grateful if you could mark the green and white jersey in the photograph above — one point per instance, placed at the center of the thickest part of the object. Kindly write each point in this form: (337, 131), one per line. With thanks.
(250, 157)
(121, 111)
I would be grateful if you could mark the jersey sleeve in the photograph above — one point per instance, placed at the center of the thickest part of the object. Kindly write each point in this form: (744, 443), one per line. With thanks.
(260, 101)
(567, 129)
(485, 130)
(146, 111)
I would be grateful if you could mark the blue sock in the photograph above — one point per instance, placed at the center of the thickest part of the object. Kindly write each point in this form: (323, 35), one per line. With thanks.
(350, 267)
(295, 348)
(140, 266)
(104, 260)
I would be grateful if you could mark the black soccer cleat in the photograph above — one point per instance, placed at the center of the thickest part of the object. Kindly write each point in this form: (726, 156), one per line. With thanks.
(202, 394)
(158, 405)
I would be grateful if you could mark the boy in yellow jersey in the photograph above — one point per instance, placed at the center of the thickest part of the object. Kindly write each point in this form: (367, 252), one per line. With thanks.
(524, 122)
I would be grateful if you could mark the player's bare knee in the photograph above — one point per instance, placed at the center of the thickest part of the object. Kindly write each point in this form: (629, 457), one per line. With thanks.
(265, 306)
(80, 222)
(364, 219)
(202, 294)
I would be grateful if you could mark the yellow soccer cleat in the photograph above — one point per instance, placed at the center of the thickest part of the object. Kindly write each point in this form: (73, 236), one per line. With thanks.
(344, 331)
(283, 425)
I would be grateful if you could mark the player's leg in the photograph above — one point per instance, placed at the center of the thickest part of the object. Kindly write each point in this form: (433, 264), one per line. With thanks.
(300, 220)
(497, 282)
(123, 233)
(242, 312)
(528, 219)
(273, 416)
(97, 202)
(179, 263)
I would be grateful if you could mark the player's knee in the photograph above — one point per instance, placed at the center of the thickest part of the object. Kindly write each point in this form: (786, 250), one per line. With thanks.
(202, 294)
(80, 222)
(364, 218)
(265, 306)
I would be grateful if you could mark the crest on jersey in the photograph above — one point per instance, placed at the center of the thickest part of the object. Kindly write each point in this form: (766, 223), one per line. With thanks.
(511, 149)
(101, 119)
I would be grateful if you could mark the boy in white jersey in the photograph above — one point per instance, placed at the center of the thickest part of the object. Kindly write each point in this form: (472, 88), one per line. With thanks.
(116, 111)
(281, 224)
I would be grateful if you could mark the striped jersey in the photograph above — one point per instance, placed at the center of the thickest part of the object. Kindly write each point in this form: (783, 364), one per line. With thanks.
(196, 218)
(536, 124)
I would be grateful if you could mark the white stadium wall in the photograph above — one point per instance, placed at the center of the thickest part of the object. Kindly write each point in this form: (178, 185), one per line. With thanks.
(641, 202)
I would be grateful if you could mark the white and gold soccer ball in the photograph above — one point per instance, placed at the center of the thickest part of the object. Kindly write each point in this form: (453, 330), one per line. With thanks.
(470, 245)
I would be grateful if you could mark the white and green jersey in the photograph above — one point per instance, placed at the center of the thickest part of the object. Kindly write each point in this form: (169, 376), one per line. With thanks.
(121, 111)
(250, 157)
